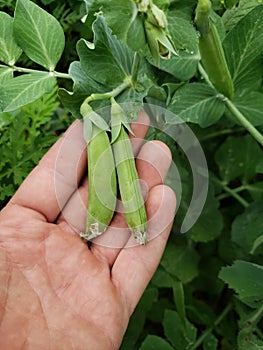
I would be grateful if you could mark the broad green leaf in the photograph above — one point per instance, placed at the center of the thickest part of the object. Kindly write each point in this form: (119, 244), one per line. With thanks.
(108, 61)
(162, 279)
(25, 89)
(153, 342)
(196, 103)
(244, 48)
(181, 337)
(250, 104)
(247, 228)
(235, 14)
(6, 74)
(137, 319)
(200, 312)
(210, 223)
(39, 34)
(238, 157)
(83, 87)
(181, 261)
(9, 50)
(185, 40)
(246, 279)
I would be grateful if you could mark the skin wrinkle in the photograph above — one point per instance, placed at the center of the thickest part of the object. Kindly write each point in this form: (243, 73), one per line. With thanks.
(9, 274)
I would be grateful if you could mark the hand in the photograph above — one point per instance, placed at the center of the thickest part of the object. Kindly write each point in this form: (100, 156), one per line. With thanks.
(56, 292)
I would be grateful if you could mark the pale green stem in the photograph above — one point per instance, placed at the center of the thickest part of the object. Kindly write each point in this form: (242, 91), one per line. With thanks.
(107, 95)
(256, 316)
(232, 193)
(242, 119)
(210, 329)
(28, 70)
(234, 110)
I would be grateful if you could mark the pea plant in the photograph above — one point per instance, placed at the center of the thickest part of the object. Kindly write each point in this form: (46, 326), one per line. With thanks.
(200, 61)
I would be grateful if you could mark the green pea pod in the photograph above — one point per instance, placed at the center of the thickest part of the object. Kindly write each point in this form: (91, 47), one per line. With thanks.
(129, 186)
(211, 51)
(101, 175)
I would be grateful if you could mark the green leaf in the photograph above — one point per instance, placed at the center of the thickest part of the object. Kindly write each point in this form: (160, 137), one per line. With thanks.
(244, 48)
(162, 279)
(9, 50)
(138, 318)
(39, 34)
(235, 14)
(153, 342)
(210, 223)
(25, 89)
(6, 74)
(181, 261)
(181, 337)
(109, 62)
(196, 103)
(210, 342)
(250, 104)
(83, 87)
(238, 157)
(247, 228)
(246, 279)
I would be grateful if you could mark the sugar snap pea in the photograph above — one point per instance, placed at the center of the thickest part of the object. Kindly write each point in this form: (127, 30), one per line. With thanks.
(129, 186)
(101, 174)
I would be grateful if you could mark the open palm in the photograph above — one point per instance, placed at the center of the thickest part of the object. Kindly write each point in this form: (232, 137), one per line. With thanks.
(56, 292)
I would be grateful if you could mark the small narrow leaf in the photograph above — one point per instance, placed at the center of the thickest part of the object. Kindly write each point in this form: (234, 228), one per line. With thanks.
(24, 89)
(39, 34)
(9, 50)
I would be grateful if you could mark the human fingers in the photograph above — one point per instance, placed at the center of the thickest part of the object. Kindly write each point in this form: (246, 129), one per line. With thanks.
(135, 266)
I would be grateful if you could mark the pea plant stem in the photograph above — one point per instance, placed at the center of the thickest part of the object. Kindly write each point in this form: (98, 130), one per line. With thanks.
(234, 110)
(28, 70)
(232, 192)
(113, 93)
(210, 329)
(242, 119)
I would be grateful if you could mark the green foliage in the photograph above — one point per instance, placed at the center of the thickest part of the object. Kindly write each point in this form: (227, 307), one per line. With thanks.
(207, 292)
(25, 135)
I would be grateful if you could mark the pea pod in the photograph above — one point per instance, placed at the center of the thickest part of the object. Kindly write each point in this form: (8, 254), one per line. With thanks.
(129, 186)
(101, 174)
(211, 50)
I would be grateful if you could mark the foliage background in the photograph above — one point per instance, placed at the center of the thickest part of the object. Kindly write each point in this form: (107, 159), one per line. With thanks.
(208, 290)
